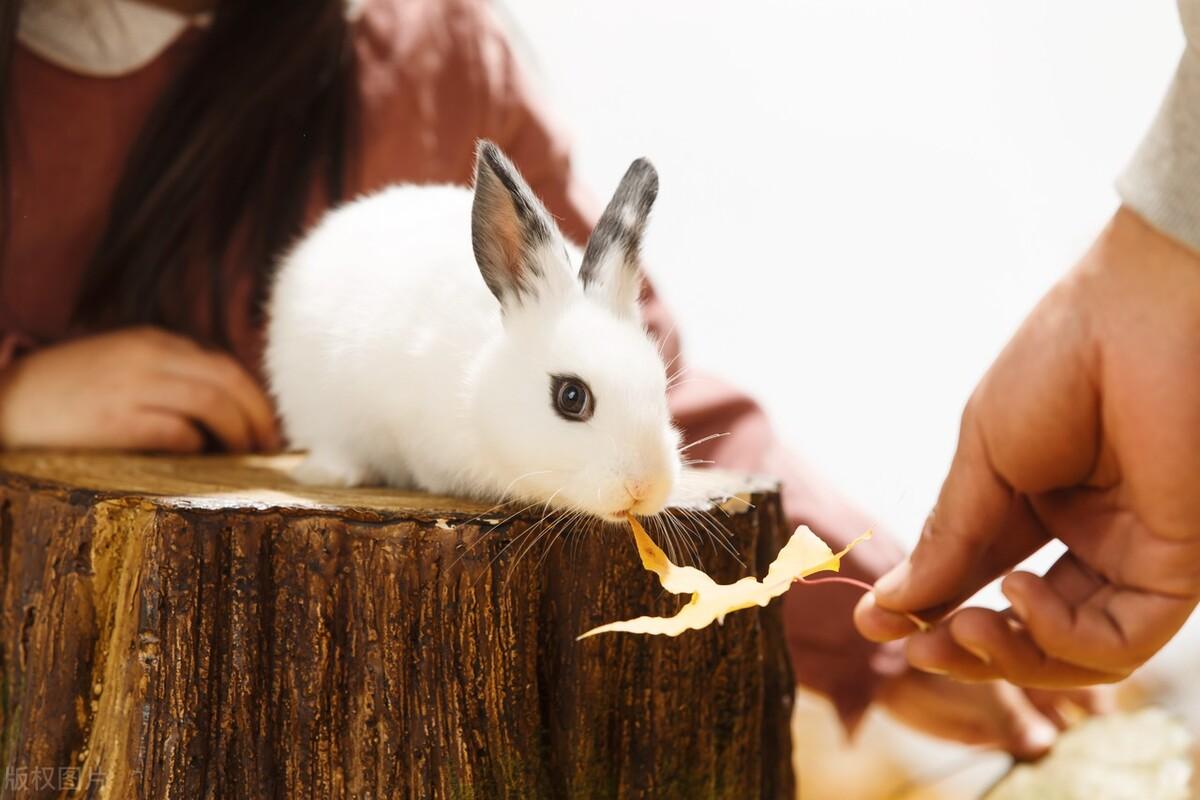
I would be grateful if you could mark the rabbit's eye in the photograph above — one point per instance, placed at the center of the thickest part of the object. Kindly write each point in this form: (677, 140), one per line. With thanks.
(572, 398)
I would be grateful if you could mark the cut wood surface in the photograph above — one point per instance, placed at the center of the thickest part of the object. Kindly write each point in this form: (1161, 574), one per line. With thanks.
(205, 628)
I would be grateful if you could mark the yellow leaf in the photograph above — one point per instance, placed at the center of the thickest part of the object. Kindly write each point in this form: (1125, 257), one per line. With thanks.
(803, 555)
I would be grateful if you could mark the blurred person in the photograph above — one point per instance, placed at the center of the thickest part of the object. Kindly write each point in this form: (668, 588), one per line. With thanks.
(1086, 429)
(158, 156)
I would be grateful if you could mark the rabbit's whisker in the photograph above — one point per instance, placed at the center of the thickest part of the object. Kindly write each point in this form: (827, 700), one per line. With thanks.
(716, 531)
(708, 438)
(509, 544)
(485, 534)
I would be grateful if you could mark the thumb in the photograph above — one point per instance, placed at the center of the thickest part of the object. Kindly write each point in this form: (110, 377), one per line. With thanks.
(972, 509)
(979, 528)
(1036, 414)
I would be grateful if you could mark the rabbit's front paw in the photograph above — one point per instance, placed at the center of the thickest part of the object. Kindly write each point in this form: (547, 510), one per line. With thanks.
(324, 469)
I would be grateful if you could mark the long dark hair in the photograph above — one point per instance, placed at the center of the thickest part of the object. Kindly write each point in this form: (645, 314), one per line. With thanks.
(10, 10)
(259, 119)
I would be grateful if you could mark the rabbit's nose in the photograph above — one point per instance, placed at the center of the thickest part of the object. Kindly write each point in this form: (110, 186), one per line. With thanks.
(638, 489)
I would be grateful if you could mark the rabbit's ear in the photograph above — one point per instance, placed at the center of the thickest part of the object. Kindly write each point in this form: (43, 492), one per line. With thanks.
(610, 262)
(510, 230)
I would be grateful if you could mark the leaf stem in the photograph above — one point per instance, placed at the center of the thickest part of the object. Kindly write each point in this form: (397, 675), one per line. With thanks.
(921, 624)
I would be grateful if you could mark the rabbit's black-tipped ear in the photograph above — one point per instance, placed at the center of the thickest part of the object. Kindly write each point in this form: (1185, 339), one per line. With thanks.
(508, 227)
(610, 263)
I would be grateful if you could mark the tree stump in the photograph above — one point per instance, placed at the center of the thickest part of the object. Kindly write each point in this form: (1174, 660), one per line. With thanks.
(204, 628)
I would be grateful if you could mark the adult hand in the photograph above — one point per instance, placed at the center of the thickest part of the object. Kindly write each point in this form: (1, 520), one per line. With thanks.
(133, 389)
(1086, 429)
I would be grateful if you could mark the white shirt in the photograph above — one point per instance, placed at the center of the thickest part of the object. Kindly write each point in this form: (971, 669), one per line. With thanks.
(106, 38)
(1162, 182)
(101, 38)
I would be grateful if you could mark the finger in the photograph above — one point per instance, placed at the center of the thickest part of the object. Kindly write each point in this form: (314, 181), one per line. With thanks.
(936, 652)
(1112, 630)
(1100, 530)
(1007, 647)
(253, 399)
(979, 530)
(879, 624)
(969, 516)
(1023, 534)
(1025, 731)
(163, 431)
(1029, 427)
(1093, 700)
(1059, 712)
(991, 714)
(1059, 705)
(1024, 537)
(1068, 707)
(204, 403)
(223, 371)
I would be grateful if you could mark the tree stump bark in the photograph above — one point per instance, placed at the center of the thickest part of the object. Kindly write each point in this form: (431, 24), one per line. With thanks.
(204, 628)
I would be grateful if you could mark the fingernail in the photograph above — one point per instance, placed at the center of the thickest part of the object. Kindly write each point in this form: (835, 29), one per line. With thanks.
(894, 580)
(932, 670)
(974, 650)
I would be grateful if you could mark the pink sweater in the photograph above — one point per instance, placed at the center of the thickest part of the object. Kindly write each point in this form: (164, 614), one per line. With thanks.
(434, 77)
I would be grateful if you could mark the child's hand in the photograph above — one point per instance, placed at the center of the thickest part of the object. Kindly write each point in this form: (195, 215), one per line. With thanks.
(993, 714)
(133, 389)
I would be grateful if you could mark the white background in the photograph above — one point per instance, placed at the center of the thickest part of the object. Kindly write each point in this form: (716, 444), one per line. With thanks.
(860, 199)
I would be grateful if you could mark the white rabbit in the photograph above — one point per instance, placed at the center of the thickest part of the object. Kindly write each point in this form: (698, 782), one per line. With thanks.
(393, 361)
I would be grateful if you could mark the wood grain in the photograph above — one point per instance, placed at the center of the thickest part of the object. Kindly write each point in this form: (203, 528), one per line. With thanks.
(204, 628)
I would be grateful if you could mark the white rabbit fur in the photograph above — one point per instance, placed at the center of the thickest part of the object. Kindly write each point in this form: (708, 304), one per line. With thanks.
(391, 361)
